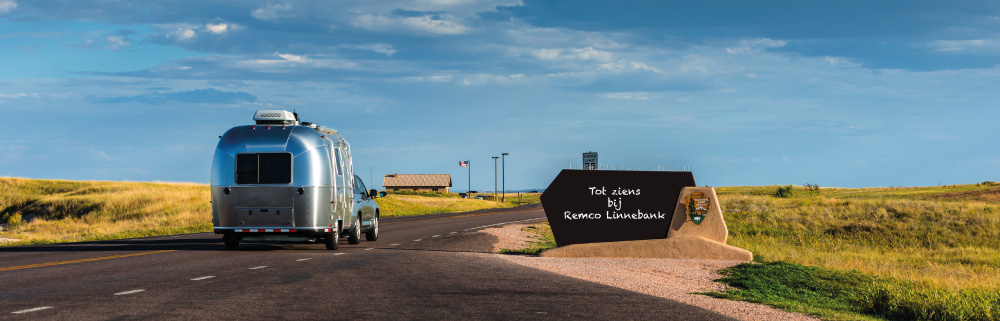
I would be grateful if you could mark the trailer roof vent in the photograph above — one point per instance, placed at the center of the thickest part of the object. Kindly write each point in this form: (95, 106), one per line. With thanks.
(275, 117)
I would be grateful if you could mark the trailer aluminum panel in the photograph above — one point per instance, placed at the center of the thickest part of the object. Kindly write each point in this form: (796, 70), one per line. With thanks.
(281, 179)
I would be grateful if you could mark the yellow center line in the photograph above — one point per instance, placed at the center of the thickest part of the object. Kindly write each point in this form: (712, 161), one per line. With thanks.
(82, 260)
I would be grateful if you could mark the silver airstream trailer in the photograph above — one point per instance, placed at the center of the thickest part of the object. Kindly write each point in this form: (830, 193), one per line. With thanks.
(285, 180)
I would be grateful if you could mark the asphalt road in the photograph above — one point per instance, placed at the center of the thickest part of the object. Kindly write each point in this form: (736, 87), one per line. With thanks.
(426, 267)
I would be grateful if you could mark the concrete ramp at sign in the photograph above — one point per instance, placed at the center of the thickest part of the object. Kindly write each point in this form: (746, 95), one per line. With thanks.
(682, 248)
(697, 231)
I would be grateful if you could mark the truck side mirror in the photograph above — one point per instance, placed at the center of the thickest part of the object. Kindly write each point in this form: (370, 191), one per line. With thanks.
(372, 193)
(381, 194)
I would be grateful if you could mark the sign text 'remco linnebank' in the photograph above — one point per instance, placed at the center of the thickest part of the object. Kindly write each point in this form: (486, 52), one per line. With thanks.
(588, 206)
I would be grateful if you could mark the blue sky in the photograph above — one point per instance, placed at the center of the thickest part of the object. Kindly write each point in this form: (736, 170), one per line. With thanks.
(844, 93)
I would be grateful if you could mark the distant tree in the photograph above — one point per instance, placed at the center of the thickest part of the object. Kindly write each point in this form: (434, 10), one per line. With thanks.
(784, 191)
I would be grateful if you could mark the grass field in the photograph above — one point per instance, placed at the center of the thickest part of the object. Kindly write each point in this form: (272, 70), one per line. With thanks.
(931, 252)
(68, 211)
(57, 211)
(417, 203)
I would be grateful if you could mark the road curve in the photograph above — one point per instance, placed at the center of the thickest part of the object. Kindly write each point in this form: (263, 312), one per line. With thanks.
(422, 267)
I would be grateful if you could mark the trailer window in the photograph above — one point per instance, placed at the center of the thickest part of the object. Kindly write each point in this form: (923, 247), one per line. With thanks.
(264, 168)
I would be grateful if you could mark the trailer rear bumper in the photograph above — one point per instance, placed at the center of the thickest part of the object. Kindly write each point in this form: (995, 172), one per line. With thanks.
(274, 231)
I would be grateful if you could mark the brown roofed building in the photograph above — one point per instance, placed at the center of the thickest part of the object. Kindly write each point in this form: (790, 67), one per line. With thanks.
(417, 182)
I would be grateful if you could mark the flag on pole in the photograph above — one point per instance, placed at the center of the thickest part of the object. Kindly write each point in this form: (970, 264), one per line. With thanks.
(463, 163)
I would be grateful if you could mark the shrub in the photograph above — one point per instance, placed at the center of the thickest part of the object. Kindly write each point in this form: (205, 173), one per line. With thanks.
(14, 220)
(812, 188)
(783, 192)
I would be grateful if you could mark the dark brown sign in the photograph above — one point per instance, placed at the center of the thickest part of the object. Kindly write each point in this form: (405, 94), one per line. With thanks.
(589, 206)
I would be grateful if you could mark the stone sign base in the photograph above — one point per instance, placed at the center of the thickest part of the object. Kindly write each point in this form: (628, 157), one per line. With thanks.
(685, 238)
(678, 248)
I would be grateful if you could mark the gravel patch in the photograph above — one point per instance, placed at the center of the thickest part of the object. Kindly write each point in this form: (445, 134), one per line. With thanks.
(674, 279)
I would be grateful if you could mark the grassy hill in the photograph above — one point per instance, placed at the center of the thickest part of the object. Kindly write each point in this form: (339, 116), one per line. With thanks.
(922, 253)
(55, 211)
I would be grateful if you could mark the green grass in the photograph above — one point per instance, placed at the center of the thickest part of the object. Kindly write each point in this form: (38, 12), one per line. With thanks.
(850, 295)
(928, 253)
(542, 240)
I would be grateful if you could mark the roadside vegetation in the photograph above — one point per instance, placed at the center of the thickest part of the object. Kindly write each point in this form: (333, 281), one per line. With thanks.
(53, 211)
(921, 253)
(542, 239)
(34, 211)
(408, 203)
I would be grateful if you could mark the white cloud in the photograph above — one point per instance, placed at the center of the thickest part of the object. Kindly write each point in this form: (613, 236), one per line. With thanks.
(382, 48)
(182, 34)
(272, 11)
(441, 24)
(222, 27)
(546, 54)
(754, 46)
(293, 58)
(6, 6)
(625, 65)
(19, 95)
(639, 95)
(116, 43)
(965, 45)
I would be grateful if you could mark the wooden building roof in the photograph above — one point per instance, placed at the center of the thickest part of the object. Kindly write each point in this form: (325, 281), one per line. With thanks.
(413, 180)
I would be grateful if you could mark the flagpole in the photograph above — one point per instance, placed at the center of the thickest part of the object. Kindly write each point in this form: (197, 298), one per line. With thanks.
(468, 163)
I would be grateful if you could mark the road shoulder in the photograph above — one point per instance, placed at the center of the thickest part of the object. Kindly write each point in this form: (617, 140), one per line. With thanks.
(673, 279)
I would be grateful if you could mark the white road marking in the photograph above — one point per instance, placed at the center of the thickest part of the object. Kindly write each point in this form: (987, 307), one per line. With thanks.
(418, 240)
(130, 292)
(394, 244)
(203, 278)
(436, 236)
(339, 253)
(369, 249)
(502, 223)
(259, 267)
(31, 310)
(453, 233)
(305, 259)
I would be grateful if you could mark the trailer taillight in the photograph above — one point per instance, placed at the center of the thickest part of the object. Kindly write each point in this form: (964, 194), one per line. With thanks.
(282, 127)
(268, 127)
(254, 127)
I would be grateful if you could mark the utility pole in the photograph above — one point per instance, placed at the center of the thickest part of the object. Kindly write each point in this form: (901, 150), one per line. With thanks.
(503, 177)
(495, 178)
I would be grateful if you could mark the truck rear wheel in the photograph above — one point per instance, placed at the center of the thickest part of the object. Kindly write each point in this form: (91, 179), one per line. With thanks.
(232, 242)
(333, 240)
(355, 236)
(372, 234)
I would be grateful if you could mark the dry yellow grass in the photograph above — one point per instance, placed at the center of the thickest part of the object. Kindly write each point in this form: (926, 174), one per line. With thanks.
(46, 211)
(56, 211)
(406, 204)
(945, 237)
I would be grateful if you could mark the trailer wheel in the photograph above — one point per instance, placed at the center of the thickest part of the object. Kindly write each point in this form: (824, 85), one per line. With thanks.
(355, 236)
(372, 234)
(333, 239)
(232, 242)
